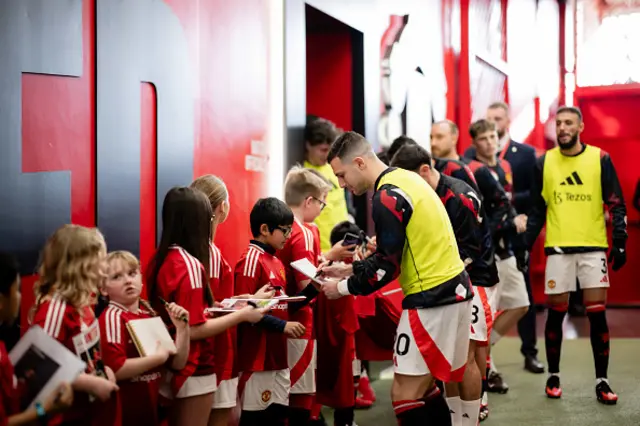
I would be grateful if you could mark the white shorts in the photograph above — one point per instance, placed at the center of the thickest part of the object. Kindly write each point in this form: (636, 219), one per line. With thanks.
(227, 394)
(481, 315)
(301, 357)
(512, 290)
(433, 341)
(563, 269)
(193, 386)
(260, 389)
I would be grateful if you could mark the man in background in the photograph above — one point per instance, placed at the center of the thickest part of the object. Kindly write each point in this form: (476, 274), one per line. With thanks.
(522, 159)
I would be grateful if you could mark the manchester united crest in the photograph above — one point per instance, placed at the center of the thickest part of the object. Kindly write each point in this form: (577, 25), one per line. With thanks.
(551, 284)
(266, 396)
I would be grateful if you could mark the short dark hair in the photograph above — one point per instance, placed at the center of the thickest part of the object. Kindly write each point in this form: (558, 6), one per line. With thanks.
(348, 144)
(9, 272)
(384, 156)
(411, 157)
(320, 131)
(271, 212)
(572, 110)
(398, 143)
(341, 229)
(481, 126)
(500, 104)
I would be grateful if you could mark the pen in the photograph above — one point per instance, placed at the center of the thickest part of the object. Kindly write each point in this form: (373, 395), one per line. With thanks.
(183, 318)
(320, 272)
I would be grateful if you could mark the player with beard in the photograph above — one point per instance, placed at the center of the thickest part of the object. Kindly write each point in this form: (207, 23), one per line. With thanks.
(570, 185)
(415, 242)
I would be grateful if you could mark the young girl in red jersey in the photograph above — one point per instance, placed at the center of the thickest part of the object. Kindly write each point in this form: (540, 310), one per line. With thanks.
(221, 282)
(69, 274)
(59, 399)
(138, 377)
(178, 273)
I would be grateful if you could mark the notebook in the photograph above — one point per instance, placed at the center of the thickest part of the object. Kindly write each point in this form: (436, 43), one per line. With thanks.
(306, 268)
(41, 364)
(147, 332)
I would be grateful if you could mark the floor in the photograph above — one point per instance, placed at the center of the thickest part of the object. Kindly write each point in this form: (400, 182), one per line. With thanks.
(525, 403)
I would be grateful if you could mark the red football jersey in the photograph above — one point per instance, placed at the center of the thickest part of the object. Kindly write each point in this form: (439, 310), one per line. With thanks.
(224, 344)
(8, 401)
(138, 395)
(181, 280)
(260, 349)
(304, 243)
(78, 330)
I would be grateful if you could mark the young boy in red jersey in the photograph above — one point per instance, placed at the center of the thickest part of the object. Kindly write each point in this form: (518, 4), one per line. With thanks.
(60, 399)
(305, 192)
(138, 376)
(265, 380)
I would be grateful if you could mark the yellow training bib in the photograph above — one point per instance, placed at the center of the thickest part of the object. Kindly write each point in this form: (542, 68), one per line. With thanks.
(572, 191)
(430, 256)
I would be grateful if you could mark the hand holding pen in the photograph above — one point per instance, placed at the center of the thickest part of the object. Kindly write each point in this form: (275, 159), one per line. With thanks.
(175, 312)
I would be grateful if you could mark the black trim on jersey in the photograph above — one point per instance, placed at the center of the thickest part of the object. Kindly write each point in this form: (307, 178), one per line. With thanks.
(611, 196)
(391, 214)
(264, 246)
(474, 240)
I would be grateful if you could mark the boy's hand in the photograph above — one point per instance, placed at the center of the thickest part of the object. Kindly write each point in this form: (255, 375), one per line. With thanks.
(294, 329)
(178, 314)
(265, 292)
(110, 374)
(59, 400)
(163, 354)
(339, 252)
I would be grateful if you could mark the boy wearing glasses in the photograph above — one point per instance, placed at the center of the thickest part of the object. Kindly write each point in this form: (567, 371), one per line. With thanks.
(305, 192)
(265, 381)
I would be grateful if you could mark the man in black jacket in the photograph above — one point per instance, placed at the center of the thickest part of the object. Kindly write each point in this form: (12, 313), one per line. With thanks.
(522, 159)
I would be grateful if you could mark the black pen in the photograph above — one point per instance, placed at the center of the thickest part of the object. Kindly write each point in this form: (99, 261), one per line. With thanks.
(320, 271)
(182, 318)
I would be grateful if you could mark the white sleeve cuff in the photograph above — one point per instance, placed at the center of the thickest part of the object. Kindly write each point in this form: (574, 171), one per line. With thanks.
(343, 288)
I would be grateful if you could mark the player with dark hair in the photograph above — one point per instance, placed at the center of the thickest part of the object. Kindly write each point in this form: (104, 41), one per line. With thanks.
(415, 242)
(570, 185)
(464, 208)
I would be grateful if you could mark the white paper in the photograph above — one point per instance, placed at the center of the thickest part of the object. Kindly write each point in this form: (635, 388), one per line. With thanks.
(43, 364)
(305, 267)
(149, 332)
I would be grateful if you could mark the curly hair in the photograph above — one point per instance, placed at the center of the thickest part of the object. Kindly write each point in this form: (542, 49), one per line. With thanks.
(71, 265)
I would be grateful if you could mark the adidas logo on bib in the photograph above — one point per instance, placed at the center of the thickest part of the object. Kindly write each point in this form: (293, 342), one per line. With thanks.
(574, 179)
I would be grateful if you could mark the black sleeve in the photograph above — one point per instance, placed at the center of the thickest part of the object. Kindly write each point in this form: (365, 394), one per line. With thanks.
(464, 213)
(465, 174)
(521, 197)
(538, 209)
(613, 198)
(391, 213)
(499, 211)
(470, 152)
(310, 292)
(271, 323)
(636, 197)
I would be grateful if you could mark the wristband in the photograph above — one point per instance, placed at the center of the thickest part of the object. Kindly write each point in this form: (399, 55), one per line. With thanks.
(41, 413)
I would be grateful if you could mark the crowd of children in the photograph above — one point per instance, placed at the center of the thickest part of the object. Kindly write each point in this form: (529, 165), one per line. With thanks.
(271, 366)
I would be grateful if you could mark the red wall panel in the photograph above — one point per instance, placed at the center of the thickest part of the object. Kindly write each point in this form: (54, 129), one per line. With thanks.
(229, 53)
(329, 77)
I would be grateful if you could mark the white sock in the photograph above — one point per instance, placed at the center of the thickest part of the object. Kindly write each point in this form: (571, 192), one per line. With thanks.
(455, 408)
(600, 380)
(495, 336)
(492, 366)
(470, 412)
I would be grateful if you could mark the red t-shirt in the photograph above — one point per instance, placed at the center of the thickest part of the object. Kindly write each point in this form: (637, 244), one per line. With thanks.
(78, 330)
(260, 349)
(181, 280)
(8, 402)
(138, 395)
(224, 344)
(304, 243)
